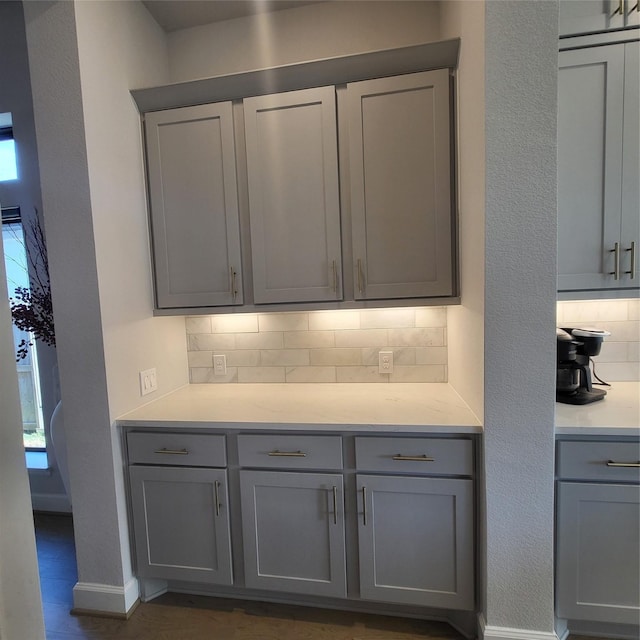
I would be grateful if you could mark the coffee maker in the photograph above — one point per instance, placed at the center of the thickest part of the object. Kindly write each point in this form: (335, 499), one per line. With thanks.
(573, 377)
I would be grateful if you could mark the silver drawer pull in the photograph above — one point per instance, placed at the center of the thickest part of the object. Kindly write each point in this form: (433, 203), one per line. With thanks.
(216, 487)
(423, 458)
(172, 452)
(611, 463)
(288, 454)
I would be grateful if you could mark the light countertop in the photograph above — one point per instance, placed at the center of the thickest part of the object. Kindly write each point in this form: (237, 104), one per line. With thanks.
(618, 414)
(412, 408)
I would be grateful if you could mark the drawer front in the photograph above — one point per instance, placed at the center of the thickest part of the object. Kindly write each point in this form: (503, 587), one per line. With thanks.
(177, 449)
(608, 461)
(290, 451)
(424, 456)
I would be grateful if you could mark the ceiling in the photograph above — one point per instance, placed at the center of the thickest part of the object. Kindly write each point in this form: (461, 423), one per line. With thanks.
(172, 15)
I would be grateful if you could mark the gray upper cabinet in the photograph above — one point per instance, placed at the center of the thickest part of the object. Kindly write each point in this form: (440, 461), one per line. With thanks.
(191, 164)
(591, 16)
(400, 173)
(294, 208)
(598, 168)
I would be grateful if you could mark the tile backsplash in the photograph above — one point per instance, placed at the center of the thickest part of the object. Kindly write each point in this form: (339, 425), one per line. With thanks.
(320, 346)
(619, 358)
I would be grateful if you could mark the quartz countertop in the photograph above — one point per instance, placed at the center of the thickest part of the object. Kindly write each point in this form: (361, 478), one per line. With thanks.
(618, 414)
(412, 408)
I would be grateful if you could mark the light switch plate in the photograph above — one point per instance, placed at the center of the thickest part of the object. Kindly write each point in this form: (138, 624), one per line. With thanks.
(148, 381)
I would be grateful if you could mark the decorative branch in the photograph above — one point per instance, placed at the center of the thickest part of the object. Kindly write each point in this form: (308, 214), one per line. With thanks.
(31, 307)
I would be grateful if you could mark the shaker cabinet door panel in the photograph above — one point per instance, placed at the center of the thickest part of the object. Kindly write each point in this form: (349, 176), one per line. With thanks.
(181, 524)
(416, 541)
(293, 532)
(598, 552)
(400, 172)
(294, 204)
(194, 206)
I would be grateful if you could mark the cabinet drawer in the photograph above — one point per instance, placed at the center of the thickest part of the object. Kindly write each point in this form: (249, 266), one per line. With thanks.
(290, 451)
(415, 455)
(177, 449)
(610, 461)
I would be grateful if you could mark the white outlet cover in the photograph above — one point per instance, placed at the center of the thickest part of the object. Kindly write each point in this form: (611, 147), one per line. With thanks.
(148, 381)
(385, 362)
(220, 365)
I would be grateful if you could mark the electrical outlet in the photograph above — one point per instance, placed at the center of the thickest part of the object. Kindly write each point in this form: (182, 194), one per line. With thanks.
(219, 365)
(385, 361)
(148, 381)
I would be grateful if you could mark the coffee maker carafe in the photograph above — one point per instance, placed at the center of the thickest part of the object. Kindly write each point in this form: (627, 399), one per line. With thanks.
(573, 375)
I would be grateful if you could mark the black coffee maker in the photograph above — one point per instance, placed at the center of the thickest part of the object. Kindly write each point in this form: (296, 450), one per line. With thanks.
(573, 377)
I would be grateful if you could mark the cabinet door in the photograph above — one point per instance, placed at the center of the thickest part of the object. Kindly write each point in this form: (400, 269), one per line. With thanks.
(181, 524)
(590, 141)
(292, 165)
(293, 532)
(588, 16)
(194, 206)
(416, 541)
(401, 188)
(598, 543)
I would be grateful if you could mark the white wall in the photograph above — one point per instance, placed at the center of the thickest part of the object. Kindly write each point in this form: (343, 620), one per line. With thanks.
(520, 291)
(20, 602)
(93, 194)
(465, 323)
(294, 35)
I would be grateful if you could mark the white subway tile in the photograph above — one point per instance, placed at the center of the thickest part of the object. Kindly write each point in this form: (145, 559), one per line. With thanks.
(362, 338)
(613, 352)
(333, 320)
(311, 374)
(633, 309)
(234, 323)
(387, 318)
(633, 351)
(273, 340)
(423, 373)
(199, 375)
(261, 374)
(283, 321)
(360, 374)
(243, 358)
(431, 317)
(587, 311)
(199, 324)
(308, 339)
(419, 337)
(211, 342)
(431, 355)
(200, 358)
(346, 356)
(618, 371)
(284, 357)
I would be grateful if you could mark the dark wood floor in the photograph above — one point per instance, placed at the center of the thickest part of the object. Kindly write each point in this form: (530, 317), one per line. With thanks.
(182, 617)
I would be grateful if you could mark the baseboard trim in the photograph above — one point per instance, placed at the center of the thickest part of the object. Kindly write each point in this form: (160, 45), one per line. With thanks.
(105, 599)
(490, 632)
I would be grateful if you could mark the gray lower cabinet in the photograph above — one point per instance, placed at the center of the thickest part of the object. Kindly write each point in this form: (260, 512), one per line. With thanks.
(193, 198)
(598, 168)
(415, 538)
(400, 176)
(293, 532)
(181, 523)
(598, 532)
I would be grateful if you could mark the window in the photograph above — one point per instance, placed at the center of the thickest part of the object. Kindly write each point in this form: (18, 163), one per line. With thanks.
(28, 376)
(8, 164)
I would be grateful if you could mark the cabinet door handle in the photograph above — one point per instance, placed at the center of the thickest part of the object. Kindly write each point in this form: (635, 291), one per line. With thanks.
(234, 290)
(216, 490)
(612, 463)
(335, 277)
(335, 505)
(288, 454)
(422, 458)
(616, 261)
(359, 270)
(172, 452)
(632, 265)
(620, 9)
(636, 8)
(364, 506)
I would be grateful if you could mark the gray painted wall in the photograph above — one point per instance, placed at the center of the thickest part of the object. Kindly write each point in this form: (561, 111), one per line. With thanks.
(520, 291)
